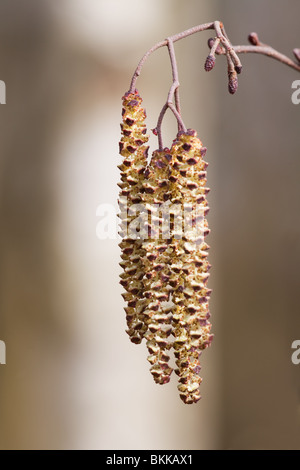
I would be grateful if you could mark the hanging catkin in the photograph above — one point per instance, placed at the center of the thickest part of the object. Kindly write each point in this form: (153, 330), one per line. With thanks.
(156, 189)
(134, 151)
(164, 256)
(189, 268)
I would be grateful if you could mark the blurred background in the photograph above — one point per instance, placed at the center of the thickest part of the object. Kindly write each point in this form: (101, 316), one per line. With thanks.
(73, 380)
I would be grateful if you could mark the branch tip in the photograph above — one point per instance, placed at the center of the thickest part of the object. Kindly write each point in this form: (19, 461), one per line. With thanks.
(297, 54)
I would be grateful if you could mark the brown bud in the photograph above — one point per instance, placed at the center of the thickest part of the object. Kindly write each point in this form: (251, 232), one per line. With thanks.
(253, 39)
(209, 63)
(219, 49)
(210, 42)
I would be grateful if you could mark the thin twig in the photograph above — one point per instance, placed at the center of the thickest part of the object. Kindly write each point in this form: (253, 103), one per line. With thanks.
(178, 117)
(159, 123)
(176, 37)
(221, 34)
(175, 76)
(221, 45)
(215, 45)
(142, 62)
(173, 93)
(190, 31)
(267, 51)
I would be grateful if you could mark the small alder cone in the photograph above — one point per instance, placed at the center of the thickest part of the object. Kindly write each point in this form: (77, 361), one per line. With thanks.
(209, 63)
(156, 193)
(189, 267)
(233, 81)
(134, 151)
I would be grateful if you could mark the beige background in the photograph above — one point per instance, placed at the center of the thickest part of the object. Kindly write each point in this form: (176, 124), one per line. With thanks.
(72, 379)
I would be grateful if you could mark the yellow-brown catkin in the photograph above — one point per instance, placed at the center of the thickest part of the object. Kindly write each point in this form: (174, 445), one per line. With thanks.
(164, 259)
(189, 267)
(156, 193)
(134, 151)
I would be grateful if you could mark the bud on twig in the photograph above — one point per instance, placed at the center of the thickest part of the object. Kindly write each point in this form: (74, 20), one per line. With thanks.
(209, 63)
(210, 42)
(253, 39)
(219, 49)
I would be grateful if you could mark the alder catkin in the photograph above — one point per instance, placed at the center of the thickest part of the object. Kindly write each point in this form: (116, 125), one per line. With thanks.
(134, 151)
(164, 256)
(189, 267)
(156, 193)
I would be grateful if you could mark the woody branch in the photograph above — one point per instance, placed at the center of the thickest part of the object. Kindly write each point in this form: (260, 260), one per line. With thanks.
(219, 45)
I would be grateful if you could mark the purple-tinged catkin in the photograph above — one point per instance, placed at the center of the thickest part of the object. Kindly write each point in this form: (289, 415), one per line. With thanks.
(232, 82)
(156, 189)
(165, 267)
(189, 267)
(134, 151)
(209, 63)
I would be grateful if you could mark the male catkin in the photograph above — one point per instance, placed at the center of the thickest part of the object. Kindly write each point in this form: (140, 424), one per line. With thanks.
(156, 265)
(165, 266)
(134, 151)
(189, 268)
